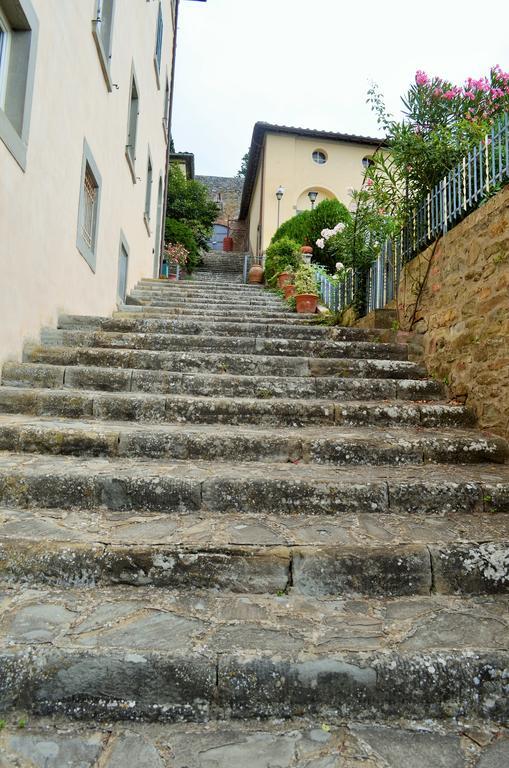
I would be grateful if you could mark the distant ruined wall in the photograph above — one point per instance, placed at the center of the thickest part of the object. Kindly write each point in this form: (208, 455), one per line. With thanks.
(463, 310)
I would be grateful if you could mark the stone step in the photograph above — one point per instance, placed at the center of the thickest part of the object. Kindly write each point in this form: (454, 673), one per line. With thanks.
(287, 317)
(179, 409)
(202, 303)
(67, 482)
(222, 385)
(254, 299)
(179, 286)
(129, 653)
(362, 554)
(213, 310)
(197, 327)
(224, 363)
(228, 344)
(326, 445)
(306, 742)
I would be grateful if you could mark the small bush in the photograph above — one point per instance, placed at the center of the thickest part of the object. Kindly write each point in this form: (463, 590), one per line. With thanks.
(176, 232)
(296, 228)
(280, 255)
(305, 280)
(326, 215)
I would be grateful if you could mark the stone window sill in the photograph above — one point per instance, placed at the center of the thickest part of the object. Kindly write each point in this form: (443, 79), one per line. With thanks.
(103, 58)
(130, 163)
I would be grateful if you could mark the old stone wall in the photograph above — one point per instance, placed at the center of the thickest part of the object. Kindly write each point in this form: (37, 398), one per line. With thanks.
(226, 192)
(456, 294)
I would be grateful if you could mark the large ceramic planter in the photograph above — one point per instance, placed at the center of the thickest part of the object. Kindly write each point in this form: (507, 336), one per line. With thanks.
(255, 274)
(306, 302)
(307, 249)
(284, 278)
(289, 290)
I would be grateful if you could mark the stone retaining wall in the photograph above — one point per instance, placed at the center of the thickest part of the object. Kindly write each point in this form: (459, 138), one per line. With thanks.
(457, 295)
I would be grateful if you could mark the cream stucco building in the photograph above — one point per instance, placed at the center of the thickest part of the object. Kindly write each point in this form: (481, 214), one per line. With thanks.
(300, 161)
(85, 105)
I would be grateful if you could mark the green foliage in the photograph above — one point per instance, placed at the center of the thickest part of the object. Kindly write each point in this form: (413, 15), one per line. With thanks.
(281, 254)
(325, 215)
(297, 228)
(305, 280)
(241, 173)
(441, 123)
(22, 722)
(190, 204)
(177, 232)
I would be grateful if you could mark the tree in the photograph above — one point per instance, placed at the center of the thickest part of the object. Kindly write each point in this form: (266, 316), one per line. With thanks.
(241, 174)
(189, 204)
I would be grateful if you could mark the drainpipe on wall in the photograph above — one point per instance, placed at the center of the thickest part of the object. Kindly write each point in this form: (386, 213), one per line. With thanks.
(260, 235)
(168, 150)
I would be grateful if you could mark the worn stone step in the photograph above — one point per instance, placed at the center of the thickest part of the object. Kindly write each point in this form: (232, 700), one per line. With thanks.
(220, 385)
(258, 298)
(178, 486)
(128, 406)
(196, 285)
(228, 344)
(364, 554)
(244, 364)
(306, 742)
(285, 317)
(129, 653)
(216, 310)
(198, 327)
(325, 445)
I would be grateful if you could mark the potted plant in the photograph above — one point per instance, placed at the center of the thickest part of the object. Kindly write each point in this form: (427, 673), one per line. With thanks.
(286, 277)
(175, 254)
(306, 294)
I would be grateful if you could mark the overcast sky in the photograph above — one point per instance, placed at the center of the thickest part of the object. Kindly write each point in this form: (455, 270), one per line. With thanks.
(309, 63)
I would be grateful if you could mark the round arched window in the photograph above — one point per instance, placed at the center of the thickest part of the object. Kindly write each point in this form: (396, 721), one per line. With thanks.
(319, 156)
(367, 161)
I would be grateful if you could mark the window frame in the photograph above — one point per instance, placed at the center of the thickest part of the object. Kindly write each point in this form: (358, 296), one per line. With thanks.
(18, 76)
(103, 54)
(88, 252)
(166, 109)
(5, 45)
(319, 152)
(158, 50)
(148, 193)
(131, 155)
(123, 246)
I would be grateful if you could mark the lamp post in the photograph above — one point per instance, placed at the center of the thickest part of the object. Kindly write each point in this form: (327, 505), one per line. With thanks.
(279, 194)
(312, 196)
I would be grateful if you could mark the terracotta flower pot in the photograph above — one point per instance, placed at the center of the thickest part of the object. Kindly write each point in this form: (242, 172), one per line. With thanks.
(284, 278)
(255, 274)
(306, 302)
(288, 290)
(306, 249)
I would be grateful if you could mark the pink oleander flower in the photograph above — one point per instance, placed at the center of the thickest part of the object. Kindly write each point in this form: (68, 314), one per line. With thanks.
(338, 228)
(320, 242)
(449, 95)
(421, 78)
(369, 182)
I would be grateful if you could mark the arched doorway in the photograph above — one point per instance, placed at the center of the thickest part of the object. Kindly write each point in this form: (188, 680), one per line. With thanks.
(303, 203)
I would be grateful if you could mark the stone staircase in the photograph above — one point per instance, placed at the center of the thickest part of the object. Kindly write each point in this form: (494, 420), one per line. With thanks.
(214, 508)
(220, 266)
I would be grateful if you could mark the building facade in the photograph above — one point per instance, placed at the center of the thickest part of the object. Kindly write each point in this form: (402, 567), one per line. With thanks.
(85, 109)
(299, 161)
